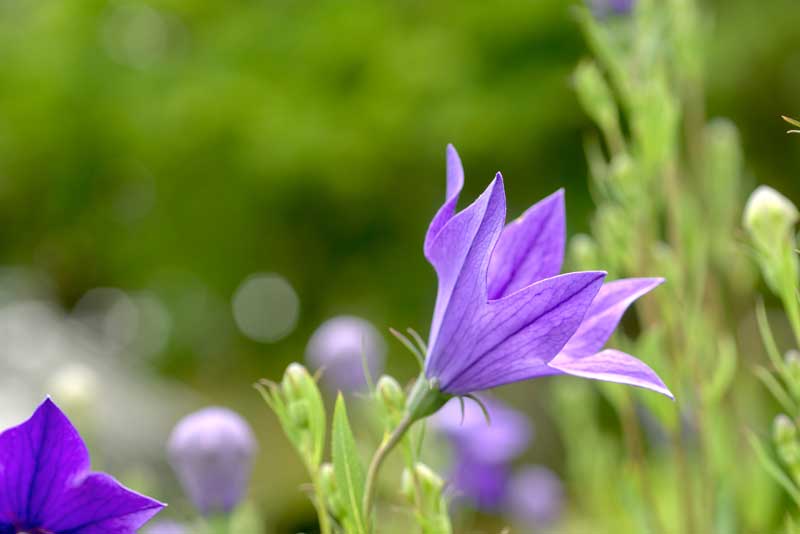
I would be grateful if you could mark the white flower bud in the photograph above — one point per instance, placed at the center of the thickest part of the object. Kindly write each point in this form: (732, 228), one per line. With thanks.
(769, 211)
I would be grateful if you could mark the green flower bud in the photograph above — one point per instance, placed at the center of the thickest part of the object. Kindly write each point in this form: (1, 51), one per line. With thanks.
(784, 430)
(391, 396)
(768, 214)
(769, 218)
(298, 413)
(298, 404)
(784, 434)
(293, 380)
(327, 478)
(327, 481)
(430, 481)
(792, 360)
(407, 486)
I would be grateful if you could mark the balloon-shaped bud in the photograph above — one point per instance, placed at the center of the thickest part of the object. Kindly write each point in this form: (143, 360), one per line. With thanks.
(212, 454)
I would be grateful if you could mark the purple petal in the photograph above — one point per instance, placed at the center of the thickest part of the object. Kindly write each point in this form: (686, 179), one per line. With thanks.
(100, 505)
(611, 366)
(530, 249)
(460, 255)
(45, 481)
(513, 338)
(455, 182)
(605, 313)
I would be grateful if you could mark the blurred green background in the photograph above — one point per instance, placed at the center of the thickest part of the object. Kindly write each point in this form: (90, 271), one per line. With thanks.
(175, 147)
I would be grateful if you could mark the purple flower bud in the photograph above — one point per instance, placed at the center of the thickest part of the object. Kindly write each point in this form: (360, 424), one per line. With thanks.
(603, 8)
(535, 497)
(482, 485)
(212, 453)
(337, 347)
(167, 527)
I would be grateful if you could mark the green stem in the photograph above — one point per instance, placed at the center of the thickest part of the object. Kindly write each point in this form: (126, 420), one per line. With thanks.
(377, 460)
(319, 504)
(218, 524)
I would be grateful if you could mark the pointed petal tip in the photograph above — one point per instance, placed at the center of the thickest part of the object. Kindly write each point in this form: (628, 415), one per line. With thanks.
(661, 389)
(498, 184)
(611, 365)
(49, 404)
(651, 283)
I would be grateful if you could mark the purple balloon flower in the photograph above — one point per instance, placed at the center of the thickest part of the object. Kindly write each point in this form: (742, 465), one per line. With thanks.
(535, 497)
(603, 8)
(483, 451)
(167, 527)
(482, 485)
(337, 346)
(504, 314)
(212, 453)
(47, 486)
(505, 437)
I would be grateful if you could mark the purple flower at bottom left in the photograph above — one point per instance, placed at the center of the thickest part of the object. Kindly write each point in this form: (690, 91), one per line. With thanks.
(46, 486)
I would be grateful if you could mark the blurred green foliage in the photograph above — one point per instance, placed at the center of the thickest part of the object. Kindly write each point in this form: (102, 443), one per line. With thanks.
(180, 145)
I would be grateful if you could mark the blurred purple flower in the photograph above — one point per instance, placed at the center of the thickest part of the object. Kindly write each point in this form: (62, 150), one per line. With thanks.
(482, 485)
(337, 346)
(212, 453)
(506, 437)
(167, 527)
(504, 314)
(47, 486)
(604, 8)
(482, 451)
(535, 497)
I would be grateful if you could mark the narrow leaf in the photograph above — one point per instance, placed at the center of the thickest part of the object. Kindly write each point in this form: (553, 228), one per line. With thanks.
(776, 389)
(773, 468)
(768, 339)
(347, 466)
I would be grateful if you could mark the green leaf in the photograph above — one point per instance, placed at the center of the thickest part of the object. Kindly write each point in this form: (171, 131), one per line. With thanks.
(347, 467)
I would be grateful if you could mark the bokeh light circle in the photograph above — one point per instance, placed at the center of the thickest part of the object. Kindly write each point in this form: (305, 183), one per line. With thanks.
(265, 307)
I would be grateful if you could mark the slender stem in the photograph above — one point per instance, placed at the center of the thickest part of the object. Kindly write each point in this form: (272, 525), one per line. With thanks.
(218, 524)
(411, 462)
(320, 505)
(634, 443)
(377, 460)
